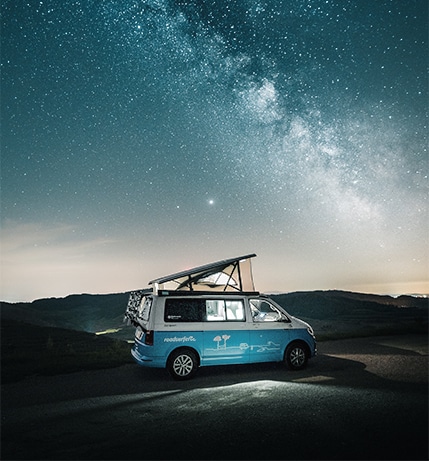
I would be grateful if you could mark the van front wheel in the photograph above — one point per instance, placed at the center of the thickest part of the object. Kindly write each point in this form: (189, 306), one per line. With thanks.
(296, 356)
(182, 364)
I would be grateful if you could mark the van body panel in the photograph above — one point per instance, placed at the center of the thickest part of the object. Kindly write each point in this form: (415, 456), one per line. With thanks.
(165, 342)
(302, 335)
(225, 344)
(192, 326)
(142, 354)
(268, 342)
(219, 342)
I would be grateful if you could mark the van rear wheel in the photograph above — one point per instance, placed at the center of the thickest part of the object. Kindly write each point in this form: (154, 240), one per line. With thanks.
(296, 356)
(182, 364)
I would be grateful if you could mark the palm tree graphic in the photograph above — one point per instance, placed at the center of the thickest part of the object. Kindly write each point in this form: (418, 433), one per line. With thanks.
(225, 337)
(218, 339)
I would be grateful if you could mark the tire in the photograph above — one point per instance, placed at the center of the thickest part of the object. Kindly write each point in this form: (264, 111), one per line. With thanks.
(182, 364)
(296, 356)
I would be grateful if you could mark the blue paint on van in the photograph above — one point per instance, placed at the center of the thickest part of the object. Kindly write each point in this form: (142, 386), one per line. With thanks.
(186, 328)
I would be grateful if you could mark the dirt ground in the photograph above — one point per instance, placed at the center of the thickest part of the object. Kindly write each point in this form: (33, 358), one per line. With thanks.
(363, 398)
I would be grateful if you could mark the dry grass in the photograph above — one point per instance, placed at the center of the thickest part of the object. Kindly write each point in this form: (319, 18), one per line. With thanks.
(33, 350)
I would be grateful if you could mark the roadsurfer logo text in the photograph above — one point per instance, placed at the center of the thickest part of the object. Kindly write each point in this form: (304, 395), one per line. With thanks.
(175, 339)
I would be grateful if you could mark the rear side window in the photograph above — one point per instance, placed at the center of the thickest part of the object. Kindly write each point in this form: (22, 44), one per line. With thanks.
(220, 310)
(204, 310)
(184, 310)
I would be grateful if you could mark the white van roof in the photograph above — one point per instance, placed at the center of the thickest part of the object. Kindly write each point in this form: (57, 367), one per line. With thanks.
(234, 274)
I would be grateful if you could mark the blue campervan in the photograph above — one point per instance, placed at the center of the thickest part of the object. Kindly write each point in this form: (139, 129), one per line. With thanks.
(211, 315)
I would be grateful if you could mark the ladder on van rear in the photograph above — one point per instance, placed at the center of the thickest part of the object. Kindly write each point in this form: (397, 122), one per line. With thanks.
(132, 312)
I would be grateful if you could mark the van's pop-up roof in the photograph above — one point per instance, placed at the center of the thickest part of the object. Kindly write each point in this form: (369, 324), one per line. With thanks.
(234, 274)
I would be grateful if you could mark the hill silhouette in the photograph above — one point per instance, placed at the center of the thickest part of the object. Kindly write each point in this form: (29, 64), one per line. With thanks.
(84, 312)
(28, 350)
(330, 312)
(335, 313)
(59, 335)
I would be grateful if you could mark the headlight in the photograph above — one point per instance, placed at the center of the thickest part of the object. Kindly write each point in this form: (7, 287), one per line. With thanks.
(310, 330)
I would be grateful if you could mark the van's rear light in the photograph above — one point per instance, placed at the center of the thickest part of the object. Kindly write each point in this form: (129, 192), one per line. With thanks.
(148, 338)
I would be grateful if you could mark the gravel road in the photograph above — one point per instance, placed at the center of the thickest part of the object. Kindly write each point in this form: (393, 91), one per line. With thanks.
(363, 398)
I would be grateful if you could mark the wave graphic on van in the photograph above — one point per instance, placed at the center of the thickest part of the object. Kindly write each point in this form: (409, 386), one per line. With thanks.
(270, 346)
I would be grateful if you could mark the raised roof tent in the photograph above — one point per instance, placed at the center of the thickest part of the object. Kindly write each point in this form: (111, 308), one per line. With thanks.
(232, 275)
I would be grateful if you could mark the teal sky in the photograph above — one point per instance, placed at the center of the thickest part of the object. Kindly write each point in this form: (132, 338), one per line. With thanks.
(141, 138)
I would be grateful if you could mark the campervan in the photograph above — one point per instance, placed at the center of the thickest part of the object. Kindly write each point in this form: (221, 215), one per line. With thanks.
(212, 315)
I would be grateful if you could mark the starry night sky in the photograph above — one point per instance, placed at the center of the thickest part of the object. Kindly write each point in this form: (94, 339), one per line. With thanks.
(144, 137)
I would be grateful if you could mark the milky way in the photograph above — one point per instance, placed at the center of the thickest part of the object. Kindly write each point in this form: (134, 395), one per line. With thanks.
(141, 138)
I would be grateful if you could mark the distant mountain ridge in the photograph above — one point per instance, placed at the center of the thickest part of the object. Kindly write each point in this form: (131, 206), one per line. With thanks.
(59, 335)
(337, 313)
(336, 302)
(327, 311)
(84, 312)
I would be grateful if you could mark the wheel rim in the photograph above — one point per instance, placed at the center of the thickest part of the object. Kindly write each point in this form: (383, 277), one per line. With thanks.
(297, 357)
(183, 365)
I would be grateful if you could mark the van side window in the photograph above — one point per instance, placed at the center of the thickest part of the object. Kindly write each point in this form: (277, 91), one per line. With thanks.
(263, 311)
(207, 310)
(220, 310)
(183, 310)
